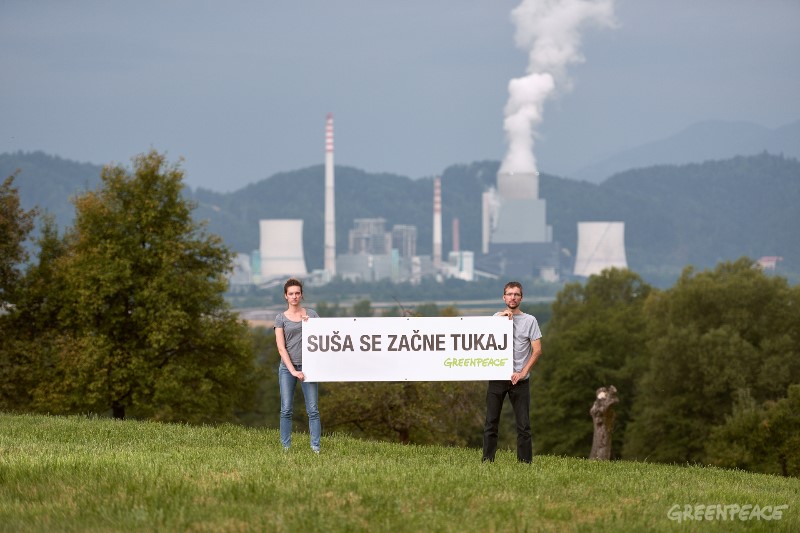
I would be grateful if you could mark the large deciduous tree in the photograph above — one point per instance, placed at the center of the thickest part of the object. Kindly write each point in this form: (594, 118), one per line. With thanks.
(143, 328)
(713, 334)
(15, 226)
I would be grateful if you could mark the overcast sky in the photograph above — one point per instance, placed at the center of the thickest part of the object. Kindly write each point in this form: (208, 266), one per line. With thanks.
(240, 89)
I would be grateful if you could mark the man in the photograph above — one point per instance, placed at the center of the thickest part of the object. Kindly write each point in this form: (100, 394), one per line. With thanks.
(527, 349)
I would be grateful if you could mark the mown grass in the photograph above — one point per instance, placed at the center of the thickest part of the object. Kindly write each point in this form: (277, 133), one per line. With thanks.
(91, 474)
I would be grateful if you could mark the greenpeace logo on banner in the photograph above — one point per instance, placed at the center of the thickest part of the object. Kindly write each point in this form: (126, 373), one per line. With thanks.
(408, 349)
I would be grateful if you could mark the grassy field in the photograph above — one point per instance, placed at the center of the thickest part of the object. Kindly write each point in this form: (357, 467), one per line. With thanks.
(90, 474)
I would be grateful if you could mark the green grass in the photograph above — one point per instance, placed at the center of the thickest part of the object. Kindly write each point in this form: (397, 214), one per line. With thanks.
(90, 474)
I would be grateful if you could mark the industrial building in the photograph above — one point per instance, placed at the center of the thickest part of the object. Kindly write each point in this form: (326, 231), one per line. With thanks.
(375, 253)
(517, 242)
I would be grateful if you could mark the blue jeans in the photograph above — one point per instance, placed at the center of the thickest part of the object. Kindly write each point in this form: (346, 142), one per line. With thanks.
(311, 395)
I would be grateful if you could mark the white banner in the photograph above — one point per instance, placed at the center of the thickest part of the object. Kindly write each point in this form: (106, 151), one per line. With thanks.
(408, 349)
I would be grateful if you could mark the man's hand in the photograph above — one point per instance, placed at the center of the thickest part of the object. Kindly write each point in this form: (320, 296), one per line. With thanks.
(506, 312)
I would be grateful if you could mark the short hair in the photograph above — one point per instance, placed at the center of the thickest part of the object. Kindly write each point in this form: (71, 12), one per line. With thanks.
(513, 285)
(292, 282)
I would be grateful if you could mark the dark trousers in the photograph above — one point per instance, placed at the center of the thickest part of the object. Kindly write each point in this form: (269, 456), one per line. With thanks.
(520, 397)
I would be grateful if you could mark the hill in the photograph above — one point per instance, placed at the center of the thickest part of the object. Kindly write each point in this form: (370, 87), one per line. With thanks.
(94, 474)
(704, 141)
(49, 181)
(676, 215)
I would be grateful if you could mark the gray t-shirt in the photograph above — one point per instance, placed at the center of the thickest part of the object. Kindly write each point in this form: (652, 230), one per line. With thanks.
(293, 335)
(526, 330)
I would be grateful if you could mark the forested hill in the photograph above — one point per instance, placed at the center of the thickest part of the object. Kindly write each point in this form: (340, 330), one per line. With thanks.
(696, 214)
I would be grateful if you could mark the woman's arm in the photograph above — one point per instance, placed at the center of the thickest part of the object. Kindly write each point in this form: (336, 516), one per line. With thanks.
(280, 340)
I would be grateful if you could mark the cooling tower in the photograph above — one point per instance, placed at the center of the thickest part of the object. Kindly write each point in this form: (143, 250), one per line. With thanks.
(282, 248)
(601, 245)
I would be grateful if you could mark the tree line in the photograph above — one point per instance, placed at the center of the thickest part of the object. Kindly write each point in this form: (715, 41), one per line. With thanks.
(707, 371)
(123, 314)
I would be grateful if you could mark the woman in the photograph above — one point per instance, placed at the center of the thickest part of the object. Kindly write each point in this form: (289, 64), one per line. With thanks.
(289, 338)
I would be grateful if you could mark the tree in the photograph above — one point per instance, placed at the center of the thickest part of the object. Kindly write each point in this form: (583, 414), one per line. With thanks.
(267, 404)
(324, 309)
(714, 333)
(448, 413)
(144, 329)
(595, 338)
(362, 308)
(15, 226)
(31, 324)
(762, 438)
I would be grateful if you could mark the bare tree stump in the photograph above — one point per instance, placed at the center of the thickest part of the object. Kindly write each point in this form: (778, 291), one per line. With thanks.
(603, 417)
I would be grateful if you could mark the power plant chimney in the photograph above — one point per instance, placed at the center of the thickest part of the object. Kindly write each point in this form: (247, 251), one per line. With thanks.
(456, 235)
(330, 216)
(437, 222)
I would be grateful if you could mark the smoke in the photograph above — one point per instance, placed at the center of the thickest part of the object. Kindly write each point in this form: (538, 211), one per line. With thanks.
(549, 30)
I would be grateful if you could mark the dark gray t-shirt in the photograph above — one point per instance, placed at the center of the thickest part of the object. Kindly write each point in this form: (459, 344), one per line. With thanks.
(293, 335)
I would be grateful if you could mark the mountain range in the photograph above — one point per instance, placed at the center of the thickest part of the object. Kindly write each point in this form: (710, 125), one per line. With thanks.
(702, 141)
(676, 215)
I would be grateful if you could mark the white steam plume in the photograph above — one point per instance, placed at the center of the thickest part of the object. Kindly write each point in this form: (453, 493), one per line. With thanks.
(549, 30)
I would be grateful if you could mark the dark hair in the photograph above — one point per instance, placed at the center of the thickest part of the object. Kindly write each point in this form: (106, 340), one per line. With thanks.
(513, 285)
(292, 282)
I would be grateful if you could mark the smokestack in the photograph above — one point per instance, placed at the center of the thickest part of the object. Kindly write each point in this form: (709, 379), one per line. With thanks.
(330, 216)
(437, 222)
(456, 235)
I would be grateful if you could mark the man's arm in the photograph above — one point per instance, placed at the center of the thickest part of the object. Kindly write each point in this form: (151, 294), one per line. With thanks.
(536, 351)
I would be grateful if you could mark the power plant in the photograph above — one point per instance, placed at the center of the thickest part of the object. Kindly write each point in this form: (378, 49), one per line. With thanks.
(516, 241)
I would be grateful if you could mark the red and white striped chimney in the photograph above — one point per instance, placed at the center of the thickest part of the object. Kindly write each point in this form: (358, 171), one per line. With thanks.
(437, 222)
(330, 216)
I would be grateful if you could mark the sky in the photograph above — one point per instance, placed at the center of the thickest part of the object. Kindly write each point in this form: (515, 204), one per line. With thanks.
(239, 90)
